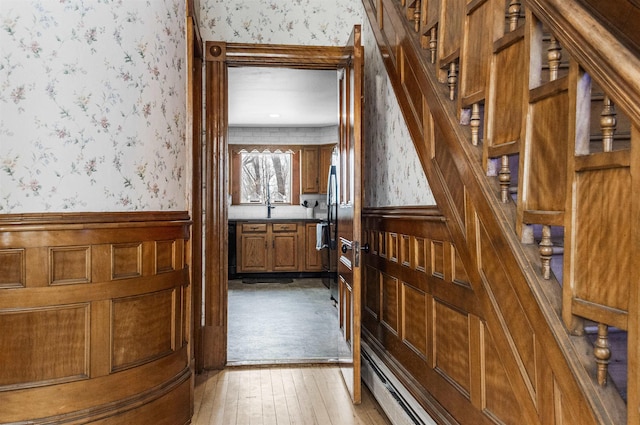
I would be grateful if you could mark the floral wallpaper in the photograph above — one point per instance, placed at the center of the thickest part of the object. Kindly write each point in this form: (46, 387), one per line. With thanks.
(393, 175)
(92, 105)
(303, 22)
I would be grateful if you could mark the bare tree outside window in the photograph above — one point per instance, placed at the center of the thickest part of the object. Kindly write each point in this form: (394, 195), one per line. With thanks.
(265, 175)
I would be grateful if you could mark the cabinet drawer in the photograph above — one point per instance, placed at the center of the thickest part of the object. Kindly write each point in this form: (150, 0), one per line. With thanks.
(254, 227)
(285, 227)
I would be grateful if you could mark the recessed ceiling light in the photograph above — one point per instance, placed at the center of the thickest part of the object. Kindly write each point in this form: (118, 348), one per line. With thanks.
(274, 115)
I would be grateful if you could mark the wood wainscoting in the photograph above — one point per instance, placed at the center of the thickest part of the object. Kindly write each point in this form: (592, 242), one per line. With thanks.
(95, 318)
(422, 318)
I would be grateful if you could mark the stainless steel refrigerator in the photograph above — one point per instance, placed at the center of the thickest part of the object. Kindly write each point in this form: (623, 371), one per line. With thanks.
(330, 235)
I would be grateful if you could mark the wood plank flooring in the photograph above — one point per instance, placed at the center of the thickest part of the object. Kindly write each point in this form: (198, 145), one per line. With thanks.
(313, 395)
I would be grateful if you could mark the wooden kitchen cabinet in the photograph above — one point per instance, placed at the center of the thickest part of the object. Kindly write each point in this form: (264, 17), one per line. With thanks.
(284, 247)
(315, 168)
(313, 257)
(310, 180)
(254, 247)
(326, 153)
(277, 247)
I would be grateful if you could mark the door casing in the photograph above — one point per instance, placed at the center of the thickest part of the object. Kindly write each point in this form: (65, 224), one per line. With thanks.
(218, 57)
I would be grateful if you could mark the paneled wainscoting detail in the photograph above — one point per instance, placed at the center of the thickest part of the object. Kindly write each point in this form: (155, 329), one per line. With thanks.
(94, 315)
(422, 318)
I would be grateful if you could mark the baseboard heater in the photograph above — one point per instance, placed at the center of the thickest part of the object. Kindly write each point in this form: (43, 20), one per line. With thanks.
(398, 404)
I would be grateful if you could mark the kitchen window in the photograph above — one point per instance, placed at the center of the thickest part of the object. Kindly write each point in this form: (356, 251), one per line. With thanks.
(265, 174)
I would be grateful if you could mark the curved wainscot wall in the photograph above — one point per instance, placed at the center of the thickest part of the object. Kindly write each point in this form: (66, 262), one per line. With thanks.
(94, 318)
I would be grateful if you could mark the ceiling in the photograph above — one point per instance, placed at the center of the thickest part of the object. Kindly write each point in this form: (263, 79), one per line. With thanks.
(299, 97)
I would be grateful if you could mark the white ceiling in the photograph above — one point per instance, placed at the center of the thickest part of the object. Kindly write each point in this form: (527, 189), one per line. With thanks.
(301, 97)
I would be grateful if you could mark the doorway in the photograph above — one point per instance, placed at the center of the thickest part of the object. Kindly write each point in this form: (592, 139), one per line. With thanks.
(212, 331)
(271, 111)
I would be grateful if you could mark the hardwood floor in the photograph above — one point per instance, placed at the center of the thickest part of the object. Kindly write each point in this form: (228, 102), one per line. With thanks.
(280, 395)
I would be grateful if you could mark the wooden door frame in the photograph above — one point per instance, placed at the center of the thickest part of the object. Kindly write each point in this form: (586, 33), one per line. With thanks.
(218, 57)
(194, 63)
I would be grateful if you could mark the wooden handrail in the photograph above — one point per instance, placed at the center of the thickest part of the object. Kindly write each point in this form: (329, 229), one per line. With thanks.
(596, 49)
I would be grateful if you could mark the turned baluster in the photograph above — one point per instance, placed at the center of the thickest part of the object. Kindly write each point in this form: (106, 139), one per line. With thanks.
(474, 123)
(504, 177)
(416, 16)
(433, 44)
(514, 14)
(602, 353)
(608, 124)
(553, 56)
(452, 80)
(546, 249)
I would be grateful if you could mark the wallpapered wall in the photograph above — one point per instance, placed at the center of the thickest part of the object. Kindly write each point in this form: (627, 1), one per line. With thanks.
(92, 114)
(92, 105)
(393, 174)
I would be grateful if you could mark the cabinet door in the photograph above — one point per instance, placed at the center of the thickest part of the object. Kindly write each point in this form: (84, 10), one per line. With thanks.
(310, 181)
(313, 257)
(285, 252)
(253, 257)
(326, 153)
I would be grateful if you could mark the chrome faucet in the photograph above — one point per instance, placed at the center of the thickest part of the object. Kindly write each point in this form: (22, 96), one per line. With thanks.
(269, 207)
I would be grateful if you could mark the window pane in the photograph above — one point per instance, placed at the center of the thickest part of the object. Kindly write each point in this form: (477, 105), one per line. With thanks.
(265, 175)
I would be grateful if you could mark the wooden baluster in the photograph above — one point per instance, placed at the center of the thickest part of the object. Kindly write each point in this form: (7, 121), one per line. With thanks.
(602, 353)
(514, 14)
(452, 80)
(608, 123)
(433, 44)
(474, 123)
(416, 16)
(546, 249)
(553, 56)
(504, 177)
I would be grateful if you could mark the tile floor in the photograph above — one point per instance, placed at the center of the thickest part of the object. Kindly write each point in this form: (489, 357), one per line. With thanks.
(271, 323)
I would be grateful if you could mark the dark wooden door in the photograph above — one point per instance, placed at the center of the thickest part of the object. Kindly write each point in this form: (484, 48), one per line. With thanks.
(350, 206)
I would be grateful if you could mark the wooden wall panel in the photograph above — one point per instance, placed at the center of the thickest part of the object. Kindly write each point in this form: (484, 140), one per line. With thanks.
(504, 116)
(437, 259)
(390, 302)
(450, 28)
(477, 49)
(499, 397)
(451, 345)
(547, 139)
(449, 174)
(126, 260)
(69, 265)
(420, 252)
(142, 328)
(44, 345)
(459, 272)
(372, 292)
(165, 256)
(497, 281)
(98, 329)
(392, 247)
(600, 193)
(405, 250)
(426, 320)
(12, 268)
(414, 318)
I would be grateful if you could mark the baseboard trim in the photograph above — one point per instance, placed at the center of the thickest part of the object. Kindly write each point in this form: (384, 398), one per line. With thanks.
(399, 407)
(395, 398)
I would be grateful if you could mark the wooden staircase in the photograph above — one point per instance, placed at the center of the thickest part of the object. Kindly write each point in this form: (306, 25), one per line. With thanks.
(526, 119)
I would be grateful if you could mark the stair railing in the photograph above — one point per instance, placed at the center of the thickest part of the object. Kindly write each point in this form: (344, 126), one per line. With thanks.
(559, 147)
